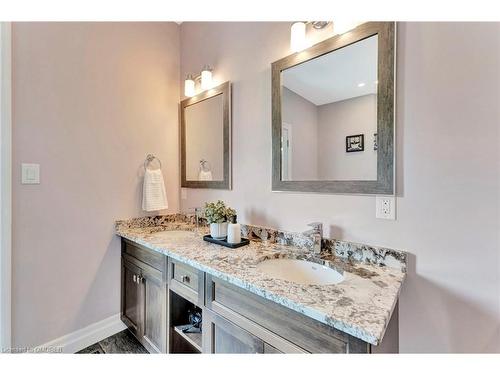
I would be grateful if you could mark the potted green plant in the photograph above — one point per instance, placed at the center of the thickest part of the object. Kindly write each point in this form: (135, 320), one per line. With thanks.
(217, 215)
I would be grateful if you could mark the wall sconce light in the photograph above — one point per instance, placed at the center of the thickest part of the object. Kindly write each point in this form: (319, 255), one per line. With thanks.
(298, 40)
(343, 25)
(189, 89)
(298, 36)
(205, 78)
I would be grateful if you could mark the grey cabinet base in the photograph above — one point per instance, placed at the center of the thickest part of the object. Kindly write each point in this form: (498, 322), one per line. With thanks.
(234, 320)
(143, 297)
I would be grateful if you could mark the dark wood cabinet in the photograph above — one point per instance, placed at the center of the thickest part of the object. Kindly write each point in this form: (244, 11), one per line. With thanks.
(158, 294)
(186, 281)
(281, 328)
(144, 303)
(222, 337)
(154, 321)
(131, 299)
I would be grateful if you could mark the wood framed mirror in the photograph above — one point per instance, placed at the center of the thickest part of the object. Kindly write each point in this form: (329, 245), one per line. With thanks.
(333, 114)
(206, 139)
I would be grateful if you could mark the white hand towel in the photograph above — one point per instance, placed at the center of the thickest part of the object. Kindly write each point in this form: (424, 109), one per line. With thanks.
(154, 195)
(205, 176)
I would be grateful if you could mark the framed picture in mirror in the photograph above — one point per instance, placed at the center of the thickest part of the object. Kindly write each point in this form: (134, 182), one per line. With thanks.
(355, 143)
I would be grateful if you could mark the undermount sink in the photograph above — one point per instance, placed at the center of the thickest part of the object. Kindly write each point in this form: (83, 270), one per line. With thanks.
(300, 271)
(174, 234)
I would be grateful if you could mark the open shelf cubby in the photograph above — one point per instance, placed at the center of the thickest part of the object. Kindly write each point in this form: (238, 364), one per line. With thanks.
(182, 342)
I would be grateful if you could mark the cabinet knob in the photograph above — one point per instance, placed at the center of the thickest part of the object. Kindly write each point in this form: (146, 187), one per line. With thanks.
(134, 278)
(185, 279)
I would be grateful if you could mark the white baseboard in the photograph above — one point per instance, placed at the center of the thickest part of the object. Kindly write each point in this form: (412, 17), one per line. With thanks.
(78, 340)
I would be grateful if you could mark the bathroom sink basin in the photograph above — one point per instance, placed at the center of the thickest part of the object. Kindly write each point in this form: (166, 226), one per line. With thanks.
(173, 234)
(300, 271)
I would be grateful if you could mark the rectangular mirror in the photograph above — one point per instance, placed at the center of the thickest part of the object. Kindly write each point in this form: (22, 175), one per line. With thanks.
(206, 139)
(333, 115)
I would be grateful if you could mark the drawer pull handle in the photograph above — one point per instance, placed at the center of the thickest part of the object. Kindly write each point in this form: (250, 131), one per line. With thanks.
(185, 279)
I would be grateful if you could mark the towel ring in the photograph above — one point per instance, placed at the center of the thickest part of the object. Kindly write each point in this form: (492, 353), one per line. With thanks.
(149, 159)
(205, 165)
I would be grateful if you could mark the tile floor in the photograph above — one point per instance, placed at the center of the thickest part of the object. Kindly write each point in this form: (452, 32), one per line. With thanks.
(121, 343)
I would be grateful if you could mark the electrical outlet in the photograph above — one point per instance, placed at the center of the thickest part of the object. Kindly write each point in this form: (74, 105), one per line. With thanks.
(385, 208)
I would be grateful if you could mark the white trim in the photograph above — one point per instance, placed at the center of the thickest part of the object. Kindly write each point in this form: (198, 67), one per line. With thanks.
(5, 184)
(78, 340)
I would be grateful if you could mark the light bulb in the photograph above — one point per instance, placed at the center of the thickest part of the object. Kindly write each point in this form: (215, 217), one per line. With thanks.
(206, 78)
(189, 86)
(342, 26)
(298, 36)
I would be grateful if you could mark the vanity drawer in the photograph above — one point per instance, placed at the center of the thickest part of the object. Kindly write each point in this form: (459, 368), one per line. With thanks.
(312, 336)
(145, 255)
(186, 275)
(186, 281)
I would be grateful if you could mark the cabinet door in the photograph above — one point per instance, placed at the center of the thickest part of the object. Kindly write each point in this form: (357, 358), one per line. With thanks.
(269, 349)
(154, 292)
(222, 336)
(131, 311)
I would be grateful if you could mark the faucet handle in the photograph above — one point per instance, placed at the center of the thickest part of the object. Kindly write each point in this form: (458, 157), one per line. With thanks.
(317, 226)
(197, 210)
(198, 214)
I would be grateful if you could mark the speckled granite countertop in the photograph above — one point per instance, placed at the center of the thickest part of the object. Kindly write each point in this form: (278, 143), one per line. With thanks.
(361, 305)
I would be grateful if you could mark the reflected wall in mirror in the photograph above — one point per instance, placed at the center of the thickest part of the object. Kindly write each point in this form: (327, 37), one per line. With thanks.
(333, 114)
(205, 139)
(325, 102)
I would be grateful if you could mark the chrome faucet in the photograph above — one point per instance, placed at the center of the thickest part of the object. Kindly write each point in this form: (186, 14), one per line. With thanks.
(198, 213)
(316, 234)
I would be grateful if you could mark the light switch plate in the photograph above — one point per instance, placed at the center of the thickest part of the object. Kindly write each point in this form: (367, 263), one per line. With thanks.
(385, 208)
(30, 173)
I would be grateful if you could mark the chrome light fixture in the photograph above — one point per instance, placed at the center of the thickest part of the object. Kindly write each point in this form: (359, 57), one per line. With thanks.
(318, 25)
(298, 40)
(344, 25)
(205, 78)
(189, 86)
(298, 36)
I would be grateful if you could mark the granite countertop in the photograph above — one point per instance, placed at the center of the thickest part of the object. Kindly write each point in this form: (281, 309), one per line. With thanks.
(360, 306)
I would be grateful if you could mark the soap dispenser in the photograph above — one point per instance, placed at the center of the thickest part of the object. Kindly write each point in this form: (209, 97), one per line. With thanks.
(233, 231)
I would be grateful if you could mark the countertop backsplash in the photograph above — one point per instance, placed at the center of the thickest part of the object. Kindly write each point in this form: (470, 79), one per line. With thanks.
(348, 251)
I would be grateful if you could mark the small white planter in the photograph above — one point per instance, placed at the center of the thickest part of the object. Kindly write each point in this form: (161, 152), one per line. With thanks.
(218, 231)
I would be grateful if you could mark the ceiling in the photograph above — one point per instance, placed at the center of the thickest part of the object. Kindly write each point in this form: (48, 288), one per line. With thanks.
(337, 75)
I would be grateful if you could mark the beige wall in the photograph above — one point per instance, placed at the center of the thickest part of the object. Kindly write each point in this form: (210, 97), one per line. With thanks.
(335, 122)
(205, 138)
(319, 133)
(89, 102)
(301, 116)
(448, 181)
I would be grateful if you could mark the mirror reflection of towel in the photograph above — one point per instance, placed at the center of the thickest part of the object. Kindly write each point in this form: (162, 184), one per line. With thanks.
(205, 176)
(154, 195)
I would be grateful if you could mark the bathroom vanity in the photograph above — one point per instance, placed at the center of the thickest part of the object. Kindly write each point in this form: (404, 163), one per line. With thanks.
(169, 272)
